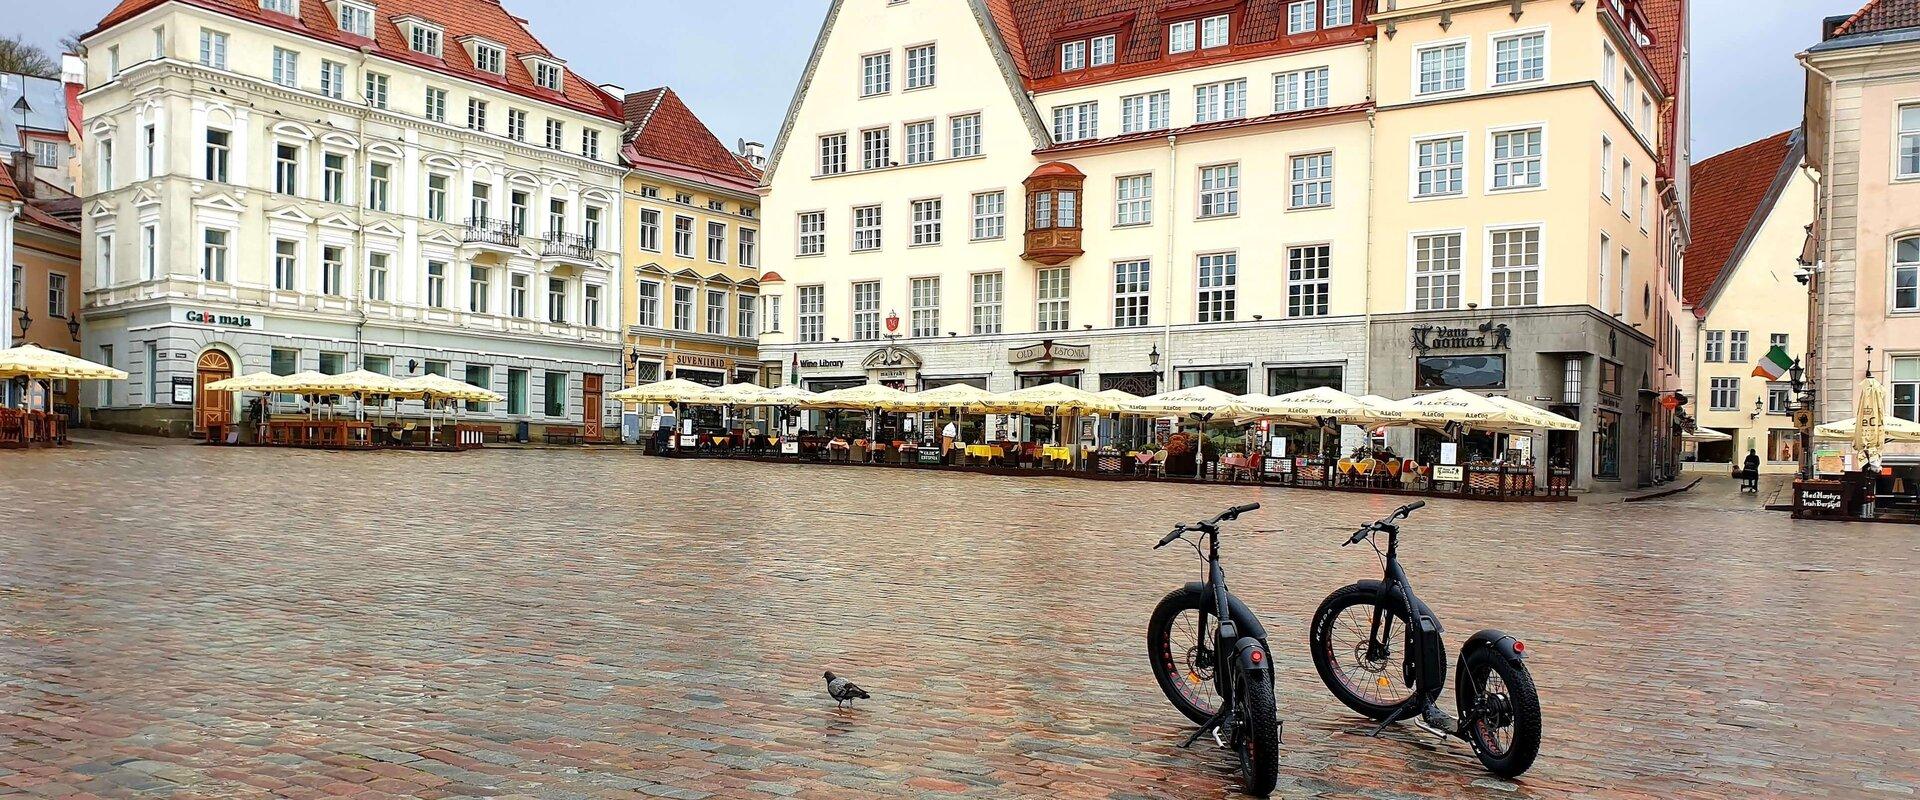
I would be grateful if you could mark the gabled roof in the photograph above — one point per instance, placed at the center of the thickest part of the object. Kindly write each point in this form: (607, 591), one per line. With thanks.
(1732, 195)
(8, 191)
(663, 131)
(1665, 18)
(484, 18)
(1881, 15)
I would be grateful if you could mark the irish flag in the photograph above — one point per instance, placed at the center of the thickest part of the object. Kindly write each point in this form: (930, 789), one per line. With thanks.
(1773, 365)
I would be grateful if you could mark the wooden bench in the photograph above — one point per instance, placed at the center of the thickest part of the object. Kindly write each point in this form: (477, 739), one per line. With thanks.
(564, 434)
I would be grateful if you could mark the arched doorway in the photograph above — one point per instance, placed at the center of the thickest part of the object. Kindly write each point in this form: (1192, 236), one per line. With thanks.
(211, 408)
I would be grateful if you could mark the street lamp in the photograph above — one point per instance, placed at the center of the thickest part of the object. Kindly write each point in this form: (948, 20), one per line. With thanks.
(73, 328)
(26, 321)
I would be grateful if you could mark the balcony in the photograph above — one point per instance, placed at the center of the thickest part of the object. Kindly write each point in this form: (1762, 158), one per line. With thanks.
(570, 247)
(496, 233)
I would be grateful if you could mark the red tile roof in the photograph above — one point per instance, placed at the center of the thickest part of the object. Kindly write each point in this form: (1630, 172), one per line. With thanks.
(459, 18)
(1204, 127)
(1728, 193)
(663, 131)
(1034, 30)
(9, 192)
(1665, 19)
(1882, 15)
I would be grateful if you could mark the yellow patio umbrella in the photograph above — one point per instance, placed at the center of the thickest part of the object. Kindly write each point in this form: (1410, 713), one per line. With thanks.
(35, 362)
(1202, 400)
(961, 396)
(256, 382)
(361, 382)
(865, 397)
(1469, 410)
(1540, 417)
(1055, 397)
(1894, 429)
(672, 390)
(440, 387)
(1870, 426)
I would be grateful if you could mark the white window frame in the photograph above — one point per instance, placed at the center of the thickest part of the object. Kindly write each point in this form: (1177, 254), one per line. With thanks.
(1301, 89)
(1076, 122)
(1183, 37)
(876, 73)
(1132, 293)
(1723, 394)
(833, 154)
(1537, 267)
(868, 221)
(1303, 16)
(1899, 266)
(1148, 111)
(1466, 68)
(989, 215)
(1302, 189)
(922, 66)
(1052, 298)
(864, 297)
(964, 135)
(810, 313)
(927, 222)
(987, 295)
(1458, 169)
(1336, 14)
(1220, 101)
(1494, 162)
(1133, 199)
(1455, 278)
(1300, 286)
(1216, 286)
(1216, 30)
(1222, 199)
(286, 67)
(1073, 56)
(810, 228)
(1493, 56)
(647, 306)
(1102, 50)
(918, 140)
(923, 306)
(876, 148)
(1906, 148)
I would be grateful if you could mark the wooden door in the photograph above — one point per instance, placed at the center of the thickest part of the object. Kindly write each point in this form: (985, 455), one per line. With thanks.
(592, 403)
(211, 408)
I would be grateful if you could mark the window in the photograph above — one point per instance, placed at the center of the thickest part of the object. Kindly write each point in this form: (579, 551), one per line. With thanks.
(479, 289)
(1214, 31)
(813, 313)
(1629, 92)
(1213, 102)
(286, 67)
(357, 20)
(437, 284)
(1640, 208)
(833, 154)
(1051, 297)
(1909, 141)
(866, 228)
(517, 290)
(876, 74)
(1131, 290)
(1072, 123)
(1516, 159)
(1231, 381)
(437, 197)
(919, 142)
(717, 242)
(1300, 89)
(1309, 280)
(1339, 12)
(866, 310)
(333, 268)
(1436, 272)
(516, 391)
(1626, 272)
(650, 229)
(56, 294)
(377, 277)
(985, 307)
(876, 148)
(1606, 168)
(333, 79)
(813, 233)
(1460, 372)
(1283, 380)
(149, 151)
(1146, 112)
(476, 114)
(1906, 274)
(1311, 185)
(966, 136)
(1219, 191)
(278, 6)
(1519, 58)
(744, 318)
(920, 66)
(590, 226)
(1133, 200)
(1724, 394)
(556, 394)
(149, 252)
(926, 221)
(425, 40)
(1073, 56)
(1443, 68)
(773, 313)
(1716, 346)
(556, 134)
(1300, 16)
(19, 293)
(1514, 267)
(1777, 340)
(489, 58)
(213, 256)
(1906, 389)
(333, 178)
(376, 90)
(647, 304)
(105, 180)
(332, 363)
(379, 186)
(989, 215)
(683, 236)
(923, 296)
(219, 147)
(1737, 347)
(1441, 170)
(286, 169)
(1626, 179)
(1101, 50)
(213, 49)
(1219, 277)
(590, 143)
(547, 76)
(482, 377)
(103, 260)
(556, 300)
(1180, 36)
(1606, 258)
(1646, 114)
(516, 124)
(1609, 67)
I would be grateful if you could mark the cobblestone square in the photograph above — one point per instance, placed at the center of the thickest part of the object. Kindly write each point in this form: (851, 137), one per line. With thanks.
(190, 622)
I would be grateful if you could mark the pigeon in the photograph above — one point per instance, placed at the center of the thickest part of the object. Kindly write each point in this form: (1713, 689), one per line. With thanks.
(843, 691)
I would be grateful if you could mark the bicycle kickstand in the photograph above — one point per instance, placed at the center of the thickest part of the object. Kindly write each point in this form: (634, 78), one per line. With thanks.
(1210, 726)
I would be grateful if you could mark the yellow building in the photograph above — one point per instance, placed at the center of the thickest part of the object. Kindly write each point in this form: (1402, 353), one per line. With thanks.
(41, 256)
(692, 240)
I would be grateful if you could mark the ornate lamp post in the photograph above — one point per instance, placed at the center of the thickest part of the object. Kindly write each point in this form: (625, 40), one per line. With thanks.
(1803, 397)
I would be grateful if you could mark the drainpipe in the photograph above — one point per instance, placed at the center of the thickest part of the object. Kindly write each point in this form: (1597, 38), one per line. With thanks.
(1166, 321)
(7, 214)
(1815, 326)
(360, 230)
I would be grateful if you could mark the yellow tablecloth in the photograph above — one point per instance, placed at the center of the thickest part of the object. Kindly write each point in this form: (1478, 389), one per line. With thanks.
(985, 451)
(1057, 453)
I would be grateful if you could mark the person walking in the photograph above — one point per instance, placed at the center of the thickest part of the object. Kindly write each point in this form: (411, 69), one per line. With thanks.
(1750, 472)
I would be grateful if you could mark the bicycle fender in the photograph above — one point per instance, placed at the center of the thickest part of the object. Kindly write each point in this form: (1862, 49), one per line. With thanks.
(1499, 641)
(1242, 615)
(1251, 654)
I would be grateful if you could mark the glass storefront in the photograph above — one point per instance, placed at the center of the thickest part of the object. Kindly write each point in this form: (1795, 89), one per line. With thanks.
(1460, 372)
(1606, 445)
(1283, 380)
(1231, 381)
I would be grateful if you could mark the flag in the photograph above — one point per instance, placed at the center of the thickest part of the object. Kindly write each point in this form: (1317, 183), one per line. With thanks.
(1773, 365)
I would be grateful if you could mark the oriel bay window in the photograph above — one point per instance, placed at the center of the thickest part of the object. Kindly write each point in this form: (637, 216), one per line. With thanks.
(1053, 213)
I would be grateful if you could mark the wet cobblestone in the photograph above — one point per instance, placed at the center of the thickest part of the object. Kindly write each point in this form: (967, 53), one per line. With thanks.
(185, 622)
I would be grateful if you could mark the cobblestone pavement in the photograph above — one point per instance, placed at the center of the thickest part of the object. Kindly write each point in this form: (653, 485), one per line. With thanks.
(187, 622)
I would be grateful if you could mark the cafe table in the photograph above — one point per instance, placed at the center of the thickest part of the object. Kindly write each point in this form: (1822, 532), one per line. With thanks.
(1061, 453)
(985, 452)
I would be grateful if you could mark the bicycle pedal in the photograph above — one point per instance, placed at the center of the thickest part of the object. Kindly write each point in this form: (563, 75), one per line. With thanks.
(1422, 725)
(1218, 742)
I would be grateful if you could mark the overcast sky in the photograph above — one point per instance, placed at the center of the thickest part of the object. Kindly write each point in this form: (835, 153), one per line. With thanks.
(739, 74)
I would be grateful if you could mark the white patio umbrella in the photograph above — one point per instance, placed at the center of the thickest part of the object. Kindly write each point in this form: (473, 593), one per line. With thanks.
(36, 362)
(1203, 402)
(1711, 435)
(1895, 429)
(1870, 426)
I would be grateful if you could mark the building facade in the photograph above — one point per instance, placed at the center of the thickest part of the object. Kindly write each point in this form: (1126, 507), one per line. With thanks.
(692, 248)
(343, 185)
(1256, 195)
(1863, 138)
(40, 254)
(1752, 207)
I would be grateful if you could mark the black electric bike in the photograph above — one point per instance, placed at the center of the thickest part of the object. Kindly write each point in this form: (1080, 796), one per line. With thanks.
(1378, 648)
(1210, 655)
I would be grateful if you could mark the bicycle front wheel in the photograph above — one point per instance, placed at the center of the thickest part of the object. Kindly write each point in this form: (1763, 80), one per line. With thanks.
(1369, 675)
(1180, 641)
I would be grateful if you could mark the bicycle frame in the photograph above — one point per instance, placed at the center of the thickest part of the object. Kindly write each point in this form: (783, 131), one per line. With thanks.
(1426, 652)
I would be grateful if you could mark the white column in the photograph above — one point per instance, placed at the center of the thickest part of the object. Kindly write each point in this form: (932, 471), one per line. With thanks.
(7, 317)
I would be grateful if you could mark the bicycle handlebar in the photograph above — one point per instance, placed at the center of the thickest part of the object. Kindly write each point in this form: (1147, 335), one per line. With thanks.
(1206, 524)
(1384, 523)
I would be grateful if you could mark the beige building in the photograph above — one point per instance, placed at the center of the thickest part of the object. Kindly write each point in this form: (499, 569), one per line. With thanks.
(1256, 195)
(401, 187)
(1751, 209)
(1863, 137)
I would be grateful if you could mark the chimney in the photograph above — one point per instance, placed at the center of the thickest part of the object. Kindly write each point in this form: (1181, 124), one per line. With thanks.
(619, 92)
(22, 167)
(753, 152)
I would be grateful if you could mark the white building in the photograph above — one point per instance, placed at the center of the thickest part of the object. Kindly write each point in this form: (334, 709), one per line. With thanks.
(347, 184)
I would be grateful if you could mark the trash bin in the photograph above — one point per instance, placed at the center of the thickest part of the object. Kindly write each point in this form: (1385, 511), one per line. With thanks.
(523, 431)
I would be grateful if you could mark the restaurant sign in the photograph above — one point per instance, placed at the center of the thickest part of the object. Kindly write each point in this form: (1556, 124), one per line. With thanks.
(707, 362)
(1049, 350)
(218, 319)
(1427, 338)
(821, 363)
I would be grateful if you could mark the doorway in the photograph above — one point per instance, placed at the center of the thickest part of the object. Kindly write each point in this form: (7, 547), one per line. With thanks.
(592, 405)
(209, 407)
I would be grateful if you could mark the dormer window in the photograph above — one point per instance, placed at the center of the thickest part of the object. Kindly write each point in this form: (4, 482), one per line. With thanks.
(1101, 52)
(1180, 36)
(490, 59)
(547, 73)
(423, 36)
(1073, 56)
(355, 18)
(1214, 32)
(278, 6)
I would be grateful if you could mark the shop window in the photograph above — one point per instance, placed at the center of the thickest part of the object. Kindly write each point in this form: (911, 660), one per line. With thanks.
(1231, 381)
(1610, 381)
(1783, 445)
(556, 394)
(1606, 445)
(1460, 372)
(1281, 380)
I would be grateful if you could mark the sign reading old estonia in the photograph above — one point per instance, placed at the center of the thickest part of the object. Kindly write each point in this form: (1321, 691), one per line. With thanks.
(1049, 351)
(199, 316)
(1439, 337)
